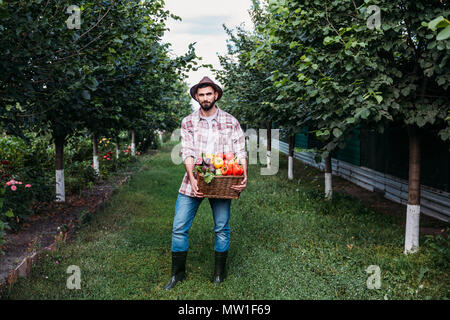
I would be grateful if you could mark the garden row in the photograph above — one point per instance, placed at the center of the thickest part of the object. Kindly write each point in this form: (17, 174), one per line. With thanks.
(64, 88)
(27, 177)
(329, 67)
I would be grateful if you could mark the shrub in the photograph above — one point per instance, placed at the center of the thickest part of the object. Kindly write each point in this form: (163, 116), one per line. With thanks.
(78, 148)
(18, 198)
(440, 248)
(78, 175)
(3, 225)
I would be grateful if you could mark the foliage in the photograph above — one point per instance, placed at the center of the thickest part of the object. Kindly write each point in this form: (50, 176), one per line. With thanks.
(440, 248)
(79, 174)
(112, 74)
(3, 225)
(17, 203)
(332, 72)
(281, 247)
(438, 23)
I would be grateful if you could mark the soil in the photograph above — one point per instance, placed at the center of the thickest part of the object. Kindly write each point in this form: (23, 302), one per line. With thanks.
(50, 219)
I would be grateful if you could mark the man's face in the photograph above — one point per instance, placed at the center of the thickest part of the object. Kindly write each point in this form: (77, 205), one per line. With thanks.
(206, 97)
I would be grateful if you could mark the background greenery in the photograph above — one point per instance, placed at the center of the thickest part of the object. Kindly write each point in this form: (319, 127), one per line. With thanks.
(286, 243)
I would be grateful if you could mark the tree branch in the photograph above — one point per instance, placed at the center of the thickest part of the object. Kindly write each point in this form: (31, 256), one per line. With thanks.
(96, 24)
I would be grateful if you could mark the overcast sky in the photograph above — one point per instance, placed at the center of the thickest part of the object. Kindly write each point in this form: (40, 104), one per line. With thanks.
(202, 23)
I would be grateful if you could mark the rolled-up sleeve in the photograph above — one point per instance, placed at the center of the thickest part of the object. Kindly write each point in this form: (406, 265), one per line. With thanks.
(187, 141)
(239, 141)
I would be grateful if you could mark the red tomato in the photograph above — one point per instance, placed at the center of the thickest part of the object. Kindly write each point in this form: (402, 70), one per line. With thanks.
(237, 170)
(229, 156)
(220, 155)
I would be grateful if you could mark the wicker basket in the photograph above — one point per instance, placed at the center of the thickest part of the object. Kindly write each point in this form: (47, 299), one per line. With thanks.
(220, 187)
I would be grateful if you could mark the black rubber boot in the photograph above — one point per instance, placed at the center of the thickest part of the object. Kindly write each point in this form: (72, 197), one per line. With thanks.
(219, 269)
(178, 269)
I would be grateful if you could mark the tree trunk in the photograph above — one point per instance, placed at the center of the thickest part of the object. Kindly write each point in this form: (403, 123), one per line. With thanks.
(133, 144)
(59, 166)
(269, 142)
(246, 137)
(291, 157)
(95, 154)
(328, 179)
(257, 140)
(413, 208)
(117, 147)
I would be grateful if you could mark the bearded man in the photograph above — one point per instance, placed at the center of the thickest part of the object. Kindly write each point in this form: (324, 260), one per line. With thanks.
(207, 130)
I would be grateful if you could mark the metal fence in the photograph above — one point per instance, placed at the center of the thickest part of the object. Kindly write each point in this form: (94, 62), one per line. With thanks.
(434, 203)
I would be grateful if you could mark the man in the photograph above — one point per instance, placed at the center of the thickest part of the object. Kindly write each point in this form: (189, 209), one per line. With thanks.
(207, 130)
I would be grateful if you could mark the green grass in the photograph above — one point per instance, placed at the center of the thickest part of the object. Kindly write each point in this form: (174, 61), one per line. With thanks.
(286, 243)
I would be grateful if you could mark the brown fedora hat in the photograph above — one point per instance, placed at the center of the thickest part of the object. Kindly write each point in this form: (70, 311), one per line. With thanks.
(207, 81)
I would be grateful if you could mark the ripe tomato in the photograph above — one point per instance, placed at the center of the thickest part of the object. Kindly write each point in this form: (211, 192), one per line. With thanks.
(229, 156)
(237, 170)
(220, 155)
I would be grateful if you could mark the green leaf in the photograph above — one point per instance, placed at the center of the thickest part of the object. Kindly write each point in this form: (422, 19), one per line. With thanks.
(9, 214)
(208, 177)
(337, 132)
(444, 34)
(379, 98)
(328, 40)
(439, 22)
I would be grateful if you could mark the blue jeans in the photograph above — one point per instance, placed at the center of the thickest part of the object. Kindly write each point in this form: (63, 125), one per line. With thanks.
(185, 210)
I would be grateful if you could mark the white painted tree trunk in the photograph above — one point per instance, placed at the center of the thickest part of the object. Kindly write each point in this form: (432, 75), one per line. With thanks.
(160, 137)
(96, 165)
(60, 188)
(133, 144)
(291, 168)
(412, 229)
(268, 159)
(95, 154)
(328, 186)
(117, 151)
(59, 168)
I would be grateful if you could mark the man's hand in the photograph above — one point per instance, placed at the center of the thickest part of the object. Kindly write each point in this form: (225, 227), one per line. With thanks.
(194, 186)
(240, 187)
(189, 164)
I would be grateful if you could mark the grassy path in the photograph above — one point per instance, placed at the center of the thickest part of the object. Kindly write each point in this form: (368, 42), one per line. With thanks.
(286, 243)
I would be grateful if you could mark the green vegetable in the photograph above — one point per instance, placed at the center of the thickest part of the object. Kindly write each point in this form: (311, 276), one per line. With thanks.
(208, 177)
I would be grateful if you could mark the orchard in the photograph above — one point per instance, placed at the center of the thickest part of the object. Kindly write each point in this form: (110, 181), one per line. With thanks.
(78, 103)
(89, 91)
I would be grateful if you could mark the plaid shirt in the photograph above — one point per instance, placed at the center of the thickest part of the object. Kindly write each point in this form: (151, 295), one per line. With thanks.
(228, 137)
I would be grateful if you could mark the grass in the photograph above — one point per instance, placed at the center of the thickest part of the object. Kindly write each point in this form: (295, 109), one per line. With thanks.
(286, 243)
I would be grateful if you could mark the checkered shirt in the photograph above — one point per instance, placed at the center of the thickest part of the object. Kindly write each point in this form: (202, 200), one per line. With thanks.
(228, 137)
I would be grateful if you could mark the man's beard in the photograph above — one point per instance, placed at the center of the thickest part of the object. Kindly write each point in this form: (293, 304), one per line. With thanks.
(208, 107)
